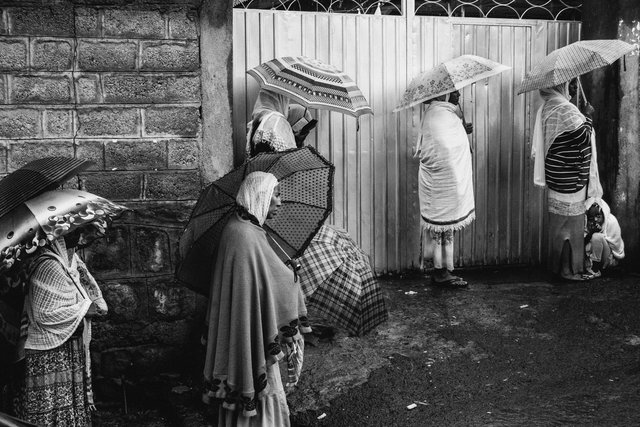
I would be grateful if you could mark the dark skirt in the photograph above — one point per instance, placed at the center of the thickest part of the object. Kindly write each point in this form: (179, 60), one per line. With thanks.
(563, 229)
(55, 386)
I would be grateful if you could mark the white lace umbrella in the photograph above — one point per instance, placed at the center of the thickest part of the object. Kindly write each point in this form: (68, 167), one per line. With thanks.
(447, 77)
(573, 60)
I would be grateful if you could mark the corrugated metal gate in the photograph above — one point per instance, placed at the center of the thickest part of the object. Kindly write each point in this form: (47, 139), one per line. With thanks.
(376, 177)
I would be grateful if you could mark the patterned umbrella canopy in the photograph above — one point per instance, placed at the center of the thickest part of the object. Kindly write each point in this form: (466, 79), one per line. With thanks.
(36, 177)
(339, 284)
(313, 84)
(447, 77)
(306, 188)
(573, 60)
(48, 216)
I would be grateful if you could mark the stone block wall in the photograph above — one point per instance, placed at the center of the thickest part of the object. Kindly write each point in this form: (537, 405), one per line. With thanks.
(119, 83)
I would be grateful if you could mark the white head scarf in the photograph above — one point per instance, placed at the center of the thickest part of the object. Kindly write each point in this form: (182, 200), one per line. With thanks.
(269, 123)
(255, 194)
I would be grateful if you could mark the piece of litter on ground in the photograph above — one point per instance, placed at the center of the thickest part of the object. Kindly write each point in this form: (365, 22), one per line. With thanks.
(321, 416)
(524, 306)
(412, 406)
(410, 293)
(179, 389)
(421, 403)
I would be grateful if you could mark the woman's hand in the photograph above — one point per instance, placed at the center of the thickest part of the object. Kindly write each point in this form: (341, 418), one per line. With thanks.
(588, 110)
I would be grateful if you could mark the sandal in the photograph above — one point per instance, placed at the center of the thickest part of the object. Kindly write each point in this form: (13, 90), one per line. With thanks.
(455, 282)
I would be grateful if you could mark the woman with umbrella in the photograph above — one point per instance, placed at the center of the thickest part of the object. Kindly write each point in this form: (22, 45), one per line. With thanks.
(445, 184)
(53, 375)
(278, 126)
(564, 162)
(256, 314)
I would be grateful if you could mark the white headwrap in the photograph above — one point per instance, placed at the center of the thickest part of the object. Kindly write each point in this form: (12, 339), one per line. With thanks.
(255, 194)
(269, 123)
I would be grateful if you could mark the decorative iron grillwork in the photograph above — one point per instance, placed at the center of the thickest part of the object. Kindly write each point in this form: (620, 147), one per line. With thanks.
(514, 9)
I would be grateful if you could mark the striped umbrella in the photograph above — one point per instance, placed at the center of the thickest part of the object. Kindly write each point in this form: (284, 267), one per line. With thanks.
(35, 178)
(573, 60)
(313, 84)
(447, 77)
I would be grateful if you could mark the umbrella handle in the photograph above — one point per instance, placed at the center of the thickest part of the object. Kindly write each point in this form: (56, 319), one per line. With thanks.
(295, 265)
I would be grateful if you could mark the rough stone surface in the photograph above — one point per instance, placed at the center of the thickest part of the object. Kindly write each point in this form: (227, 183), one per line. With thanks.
(52, 55)
(13, 54)
(183, 153)
(150, 88)
(170, 56)
(107, 56)
(136, 155)
(167, 302)
(127, 301)
(173, 186)
(87, 23)
(133, 24)
(21, 153)
(19, 123)
(55, 20)
(116, 185)
(91, 150)
(172, 121)
(108, 121)
(57, 123)
(41, 90)
(87, 89)
(182, 25)
(3, 22)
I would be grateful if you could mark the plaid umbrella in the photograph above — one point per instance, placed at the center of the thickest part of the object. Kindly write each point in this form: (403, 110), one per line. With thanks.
(339, 284)
(313, 84)
(36, 177)
(573, 60)
(306, 188)
(447, 77)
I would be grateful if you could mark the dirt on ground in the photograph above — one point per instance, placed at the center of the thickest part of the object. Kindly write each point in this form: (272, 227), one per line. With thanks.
(514, 348)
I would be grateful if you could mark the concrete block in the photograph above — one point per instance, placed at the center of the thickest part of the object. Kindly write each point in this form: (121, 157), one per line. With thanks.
(3, 22)
(21, 153)
(55, 20)
(3, 160)
(183, 153)
(131, 23)
(57, 123)
(13, 54)
(183, 24)
(107, 55)
(101, 121)
(91, 150)
(135, 155)
(152, 254)
(3, 90)
(170, 302)
(171, 56)
(41, 90)
(52, 55)
(19, 123)
(115, 185)
(150, 88)
(87, 22)
(172, 121)
(173, 185)
(88, 89)
(175, 214)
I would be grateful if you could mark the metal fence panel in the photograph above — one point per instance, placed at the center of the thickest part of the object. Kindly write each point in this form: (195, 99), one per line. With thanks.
(376, 191)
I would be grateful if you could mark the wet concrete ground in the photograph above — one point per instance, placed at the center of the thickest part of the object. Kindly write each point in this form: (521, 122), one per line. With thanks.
(511, 349)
